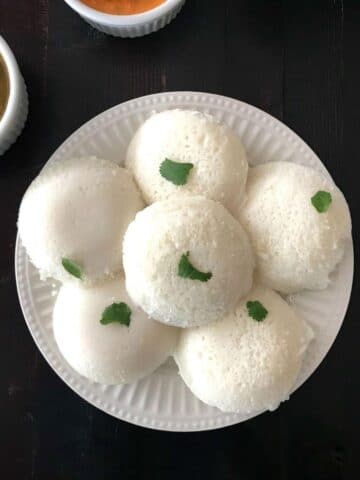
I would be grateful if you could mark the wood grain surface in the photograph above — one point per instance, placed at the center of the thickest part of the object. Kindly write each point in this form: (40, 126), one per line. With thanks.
(299, 61)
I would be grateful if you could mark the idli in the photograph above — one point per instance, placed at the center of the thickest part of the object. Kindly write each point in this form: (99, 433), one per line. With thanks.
(298, 222)
(189, 152)
(105, 337)
(248, 361)
(187, 261)
(73, 217)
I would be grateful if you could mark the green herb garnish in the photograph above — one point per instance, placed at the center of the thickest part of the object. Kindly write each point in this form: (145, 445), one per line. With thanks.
(321, 201)
(256, 310)
(175, 172)
(187, 270)
(72, 267)
(116, 312)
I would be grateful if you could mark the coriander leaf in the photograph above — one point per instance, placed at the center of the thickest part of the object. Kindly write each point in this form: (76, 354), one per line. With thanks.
(175, 172)
(256, 310)
(187, 270)
(116, 312)
(72, 267)
(321, 201)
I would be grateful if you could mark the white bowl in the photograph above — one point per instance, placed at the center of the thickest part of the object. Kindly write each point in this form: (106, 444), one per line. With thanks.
(162, 400)
(129, 25)
(13, 120)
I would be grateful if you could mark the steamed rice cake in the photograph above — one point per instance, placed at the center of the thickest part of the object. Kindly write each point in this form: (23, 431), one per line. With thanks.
(187, 261)
(213, 155)
(248, 361)
(298, 222)
(110, 352)
(73, 217)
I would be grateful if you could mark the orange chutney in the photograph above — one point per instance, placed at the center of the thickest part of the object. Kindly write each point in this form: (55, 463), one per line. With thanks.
(123, 7)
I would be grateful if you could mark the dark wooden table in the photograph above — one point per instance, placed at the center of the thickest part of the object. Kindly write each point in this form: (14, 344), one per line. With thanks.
(299, 61)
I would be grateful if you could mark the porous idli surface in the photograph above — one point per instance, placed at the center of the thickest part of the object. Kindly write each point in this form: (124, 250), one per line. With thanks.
(219, 161)
(112, 353)
(216, 244)
(79, 210)
(297, 247)
(242, 365)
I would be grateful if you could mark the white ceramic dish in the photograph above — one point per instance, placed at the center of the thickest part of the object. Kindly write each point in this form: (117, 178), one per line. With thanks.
(129, 25)
(13, 120)
(162, 401)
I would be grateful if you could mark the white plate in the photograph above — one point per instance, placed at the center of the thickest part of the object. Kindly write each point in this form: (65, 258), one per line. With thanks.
(162, 401)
